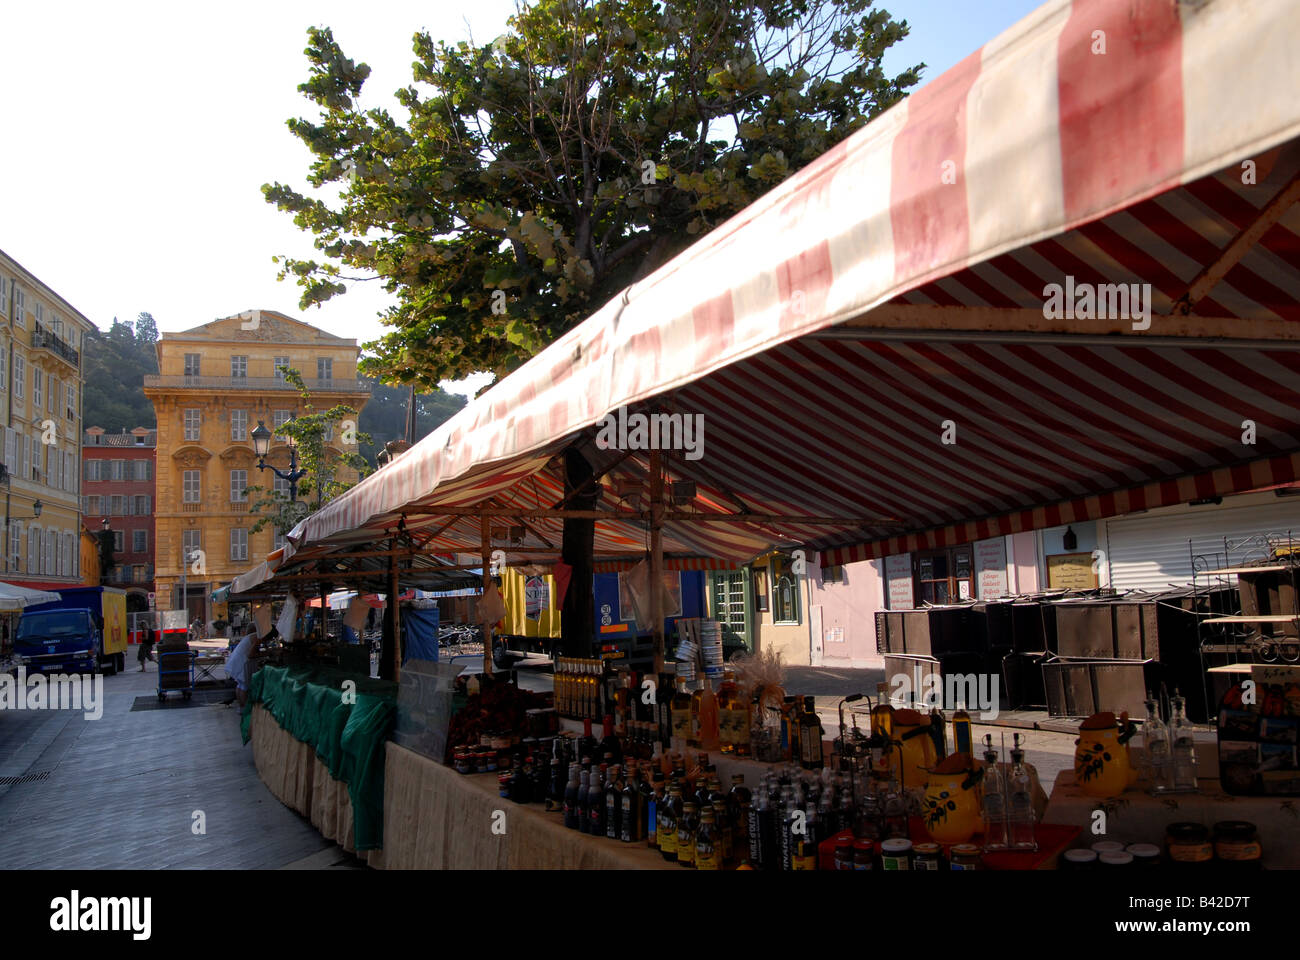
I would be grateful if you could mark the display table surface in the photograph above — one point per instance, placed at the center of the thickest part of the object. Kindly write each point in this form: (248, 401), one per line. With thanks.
(1137, 817)
(436, 818)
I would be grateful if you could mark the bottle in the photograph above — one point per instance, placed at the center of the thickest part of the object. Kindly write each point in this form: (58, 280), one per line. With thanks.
(587, 746)
(584, 800)
(1020, 805)
(572, 805)
(609, 744)
(687, 826)
(718, 801)
(937, 733)
(790, 710)
(1182, 745)
(681, 714)
(893, 811)
(708, 846)
(882, 730)
(614, 804)
(654, 794)
(810, 736)
(962, 731)
(596, 803)
(770, 704)
(754, 826)
(994, 793)
(669, 813)
(738, 804)
(704, 715)
(728, 693)
(1158, 764)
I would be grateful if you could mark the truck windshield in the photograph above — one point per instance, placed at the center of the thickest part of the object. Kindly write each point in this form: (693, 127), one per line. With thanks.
(58, 623)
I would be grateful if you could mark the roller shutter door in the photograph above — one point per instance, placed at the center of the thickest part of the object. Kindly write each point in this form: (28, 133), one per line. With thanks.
(1155, 552)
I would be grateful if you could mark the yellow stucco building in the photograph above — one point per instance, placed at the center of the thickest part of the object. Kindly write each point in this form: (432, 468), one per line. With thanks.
(215, 382)
(41, 385)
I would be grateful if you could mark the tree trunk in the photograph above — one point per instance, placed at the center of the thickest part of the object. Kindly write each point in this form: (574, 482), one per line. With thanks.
(577, 615)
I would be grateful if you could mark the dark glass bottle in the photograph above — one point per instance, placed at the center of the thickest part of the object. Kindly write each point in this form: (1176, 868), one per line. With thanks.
(669, 813)
(609, 745)
(654, 795)
(587, 746)
(631, 820)
(613, 804)
(584, 799)
(738, 803)
(572, 805)
(596, 803)
(687, 826)
(810, 736)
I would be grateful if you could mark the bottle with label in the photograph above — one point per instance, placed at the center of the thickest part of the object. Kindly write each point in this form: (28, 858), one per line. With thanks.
(893, 810)
(1020, 802)
(572, 809)
(994, 800)
(810, 736)
(728, 700)
(681, 714)
(596, 803)
(1182, 745)
(614, 804)
(718, 801)
(687, 826)
(587, 746)
(631, 818)
(963, 741)
(708, 842)
(704, 715)
(609, 744)
(882, 730)
(670, 812)
(1155, 745)
(739, 800)
(584, 799)
(790, 711)
(653, 799)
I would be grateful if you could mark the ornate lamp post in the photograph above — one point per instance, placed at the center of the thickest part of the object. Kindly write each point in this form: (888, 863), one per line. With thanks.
(262, 446)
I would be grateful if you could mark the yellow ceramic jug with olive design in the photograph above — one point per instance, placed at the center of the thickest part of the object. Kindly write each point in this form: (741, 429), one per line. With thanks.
(915, 747)
(951, 809)
(1102, 766)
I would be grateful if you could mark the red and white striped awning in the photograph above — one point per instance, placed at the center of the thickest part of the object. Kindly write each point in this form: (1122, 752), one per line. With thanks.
(829, 332)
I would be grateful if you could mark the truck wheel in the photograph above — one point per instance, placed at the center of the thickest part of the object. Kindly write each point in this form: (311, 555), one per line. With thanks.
(111, 665)
(121, 662)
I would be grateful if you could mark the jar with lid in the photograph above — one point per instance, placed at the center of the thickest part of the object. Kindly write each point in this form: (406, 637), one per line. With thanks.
(926, 856)
(1080, 858)
(1236, 844)
(844, 853)
(864, 855)
(1144, 854)
(896, 854)
(1107, 846)
(964, 856)
(1115, 858)
(1188, 845)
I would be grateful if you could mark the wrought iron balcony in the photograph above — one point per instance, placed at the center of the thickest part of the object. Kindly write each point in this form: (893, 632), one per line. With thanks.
(44, 339)
(258, 384)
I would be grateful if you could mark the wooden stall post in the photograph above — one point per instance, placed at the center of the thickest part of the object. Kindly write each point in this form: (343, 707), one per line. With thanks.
(657, 556)
(485, 529)
(397, 618)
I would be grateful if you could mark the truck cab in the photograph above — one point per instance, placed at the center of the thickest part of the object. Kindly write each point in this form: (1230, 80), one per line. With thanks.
(66, 641)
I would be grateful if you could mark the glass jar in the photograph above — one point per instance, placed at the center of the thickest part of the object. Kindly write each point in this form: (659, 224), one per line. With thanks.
(1107, 846)
(1080, 858)
(864, 855)
(964, 856)
(896, 854)
(1236, 844)
(1188, 845)
(926, 856)
(1116, 858)
(844, 853)
(1144, 854)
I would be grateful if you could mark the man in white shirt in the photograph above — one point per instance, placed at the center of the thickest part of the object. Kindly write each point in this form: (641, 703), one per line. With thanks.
(237, 663)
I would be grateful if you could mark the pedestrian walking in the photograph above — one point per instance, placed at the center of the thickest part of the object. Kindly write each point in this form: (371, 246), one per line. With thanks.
(146, 649)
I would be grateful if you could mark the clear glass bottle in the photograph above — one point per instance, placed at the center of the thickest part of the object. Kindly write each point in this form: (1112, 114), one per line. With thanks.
(681, 714)
(1157, 763)
(704, 715)
(893, 811)
(882, 730)
(994, 800)
(1020, 802)
(1182, 745)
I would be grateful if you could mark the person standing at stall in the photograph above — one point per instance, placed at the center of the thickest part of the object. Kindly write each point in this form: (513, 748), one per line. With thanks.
(238, 663)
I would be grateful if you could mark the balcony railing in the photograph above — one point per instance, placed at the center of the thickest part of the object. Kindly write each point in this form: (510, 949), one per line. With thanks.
(44, 339)
(256, 383)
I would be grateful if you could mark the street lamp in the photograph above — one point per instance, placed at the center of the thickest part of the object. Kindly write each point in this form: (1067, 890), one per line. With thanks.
(36, 509)
(262, 446)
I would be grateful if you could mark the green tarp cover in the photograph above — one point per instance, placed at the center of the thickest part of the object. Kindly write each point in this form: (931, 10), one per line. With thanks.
(308, 702)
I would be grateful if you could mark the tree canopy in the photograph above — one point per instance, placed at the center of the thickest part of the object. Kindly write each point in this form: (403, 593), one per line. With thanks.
(537, 175)
(114, 363)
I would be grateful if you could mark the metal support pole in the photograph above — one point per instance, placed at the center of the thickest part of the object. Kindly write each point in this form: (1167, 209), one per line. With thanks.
(397, 620)
(485, 531)
(657, 556)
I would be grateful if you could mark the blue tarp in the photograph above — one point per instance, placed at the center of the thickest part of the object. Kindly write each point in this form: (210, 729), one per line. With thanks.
(419, 634)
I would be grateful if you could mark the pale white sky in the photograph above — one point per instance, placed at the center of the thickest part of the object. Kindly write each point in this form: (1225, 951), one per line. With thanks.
(137, 135)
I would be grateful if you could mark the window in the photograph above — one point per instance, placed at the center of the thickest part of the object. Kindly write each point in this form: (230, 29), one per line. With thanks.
(4, 364)
(26, 443)
(191, 541)
(281, 364)
(40, 312)
(4, 297)
(55, 458)
(94, 470)
(833, 573)
(238, 543)
(278, 541)
(142, 470)
(20, 309)
(119, 470)
(238, 424)
(192, 361)
(119, 541)
(92, 505)
(329, 431)
(60, 569)
(945, 576)
(280, 488)
(281, 418)
(193, 419)
(238, 483)
(143, 506)
(190, 486)
(324, 368)
(729, 604)
(51, 393)
(20, 376)
(117, 506)
(140, 573)
(37, 380)
(16, 544)
(69, 472)
(785, 591)
(239, 367)
(34, 550)
(139, 541)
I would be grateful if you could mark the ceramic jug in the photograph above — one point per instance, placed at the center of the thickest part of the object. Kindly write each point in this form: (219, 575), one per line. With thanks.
(951, 810)
(915, 747)
(1102, 765)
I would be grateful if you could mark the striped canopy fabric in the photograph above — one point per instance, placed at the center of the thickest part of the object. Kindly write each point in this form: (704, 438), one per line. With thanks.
(901, 344)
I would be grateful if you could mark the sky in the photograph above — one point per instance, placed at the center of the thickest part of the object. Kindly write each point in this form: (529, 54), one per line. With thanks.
(137, 137)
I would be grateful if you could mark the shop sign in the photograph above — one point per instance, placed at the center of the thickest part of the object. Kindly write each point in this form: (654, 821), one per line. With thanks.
(991, 568)
(898, 578)
(537, 597)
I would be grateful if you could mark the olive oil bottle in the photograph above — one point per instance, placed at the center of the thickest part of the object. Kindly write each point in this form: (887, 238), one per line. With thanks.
(681, 713)
(708, 845)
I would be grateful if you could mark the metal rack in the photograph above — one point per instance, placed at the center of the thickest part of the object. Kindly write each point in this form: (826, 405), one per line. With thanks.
(1233, 640)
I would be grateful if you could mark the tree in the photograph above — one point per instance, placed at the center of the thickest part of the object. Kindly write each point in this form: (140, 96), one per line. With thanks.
(146, 330)
(384, 416)
(114, 362)
(311, 433)
(538, 175)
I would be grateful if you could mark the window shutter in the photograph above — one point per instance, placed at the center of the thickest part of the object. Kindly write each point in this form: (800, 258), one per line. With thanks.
(11, 444)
